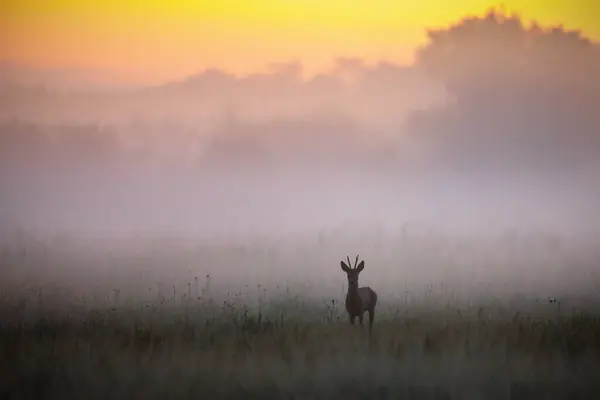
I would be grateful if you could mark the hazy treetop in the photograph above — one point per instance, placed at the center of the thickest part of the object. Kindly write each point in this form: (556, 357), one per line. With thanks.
(499, 51)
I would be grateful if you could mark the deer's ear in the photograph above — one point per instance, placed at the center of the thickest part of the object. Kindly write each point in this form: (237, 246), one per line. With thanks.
(361, 266)
(345, 268)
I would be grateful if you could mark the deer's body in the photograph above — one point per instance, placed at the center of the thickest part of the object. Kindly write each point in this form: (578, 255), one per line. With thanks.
(359, 299)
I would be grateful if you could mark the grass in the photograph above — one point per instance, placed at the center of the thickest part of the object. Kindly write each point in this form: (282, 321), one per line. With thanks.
(98, 323)
(210, 350)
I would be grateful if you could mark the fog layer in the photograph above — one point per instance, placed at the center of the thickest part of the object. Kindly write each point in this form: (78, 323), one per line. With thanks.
(494, 126)
(476, 167)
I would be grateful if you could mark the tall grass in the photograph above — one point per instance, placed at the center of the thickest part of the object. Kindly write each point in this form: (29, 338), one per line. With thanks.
(195, 336)
(296, 349)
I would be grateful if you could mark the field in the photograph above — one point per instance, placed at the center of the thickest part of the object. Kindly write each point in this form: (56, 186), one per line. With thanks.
(153, 321)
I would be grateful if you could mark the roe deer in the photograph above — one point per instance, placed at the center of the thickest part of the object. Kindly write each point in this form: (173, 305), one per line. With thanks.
(358, 300)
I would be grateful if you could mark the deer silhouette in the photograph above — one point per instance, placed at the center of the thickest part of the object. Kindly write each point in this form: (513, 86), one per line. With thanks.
(358, 300)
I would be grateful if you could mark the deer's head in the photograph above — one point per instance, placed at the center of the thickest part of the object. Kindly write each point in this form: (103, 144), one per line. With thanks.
(352, 272)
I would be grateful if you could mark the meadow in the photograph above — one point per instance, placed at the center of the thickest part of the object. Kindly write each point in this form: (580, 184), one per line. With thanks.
(501, 317)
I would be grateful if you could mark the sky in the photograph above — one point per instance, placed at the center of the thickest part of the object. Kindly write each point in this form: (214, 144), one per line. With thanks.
(153, 41)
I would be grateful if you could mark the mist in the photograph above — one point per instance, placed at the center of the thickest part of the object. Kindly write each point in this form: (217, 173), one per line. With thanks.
(490, 138)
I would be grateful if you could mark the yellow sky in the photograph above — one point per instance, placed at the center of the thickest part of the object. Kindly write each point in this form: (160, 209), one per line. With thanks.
(156, 40)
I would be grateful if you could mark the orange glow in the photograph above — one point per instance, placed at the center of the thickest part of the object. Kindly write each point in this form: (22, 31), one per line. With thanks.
(155, 40)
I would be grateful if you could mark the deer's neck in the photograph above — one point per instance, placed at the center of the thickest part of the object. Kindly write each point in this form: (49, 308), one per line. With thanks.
(352, 289)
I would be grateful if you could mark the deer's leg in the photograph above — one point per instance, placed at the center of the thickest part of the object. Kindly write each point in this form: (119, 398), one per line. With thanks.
(360, 317)
(371, 317)
(352, 319)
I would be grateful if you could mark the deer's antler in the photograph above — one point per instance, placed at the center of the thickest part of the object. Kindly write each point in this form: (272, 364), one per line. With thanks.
(356, 262)
(349, 263)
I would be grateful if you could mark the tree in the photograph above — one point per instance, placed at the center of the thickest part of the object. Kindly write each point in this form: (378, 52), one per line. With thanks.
(496, 56)
(518, 93)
